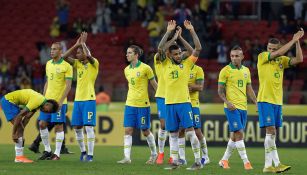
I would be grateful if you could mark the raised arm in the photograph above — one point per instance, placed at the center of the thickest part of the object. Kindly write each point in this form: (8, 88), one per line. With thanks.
(196, 41)
(186, 45)
(171, 25)
(287, 46)
(86, 51)
(70, 50)
(299, 54)
(172, 41)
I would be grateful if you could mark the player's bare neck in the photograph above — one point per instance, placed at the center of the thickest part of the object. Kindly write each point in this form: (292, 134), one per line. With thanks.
(56, 59)
(238, 66)
(134, 63)
(84, 61)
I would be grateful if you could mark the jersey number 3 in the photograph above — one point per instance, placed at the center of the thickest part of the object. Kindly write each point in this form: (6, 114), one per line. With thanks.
(240, 83)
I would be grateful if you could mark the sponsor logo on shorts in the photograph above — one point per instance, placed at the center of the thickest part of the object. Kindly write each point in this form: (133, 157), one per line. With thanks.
(235, 124)
(268, 119)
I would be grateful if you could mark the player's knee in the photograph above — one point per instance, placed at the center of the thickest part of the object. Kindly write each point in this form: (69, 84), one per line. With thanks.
(162, 123)
(90, 131)
(59, 127)
(146, 132)
(189, 129)
(78, 127)
(199, 134)
(79, 134)
(238, 135)
(174, 135)
(181, 133)
(42, 125)
(271, 130)
(163, 126)
(128, 131)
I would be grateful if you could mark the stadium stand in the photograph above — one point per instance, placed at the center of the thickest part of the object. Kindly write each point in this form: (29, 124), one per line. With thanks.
(28, 23)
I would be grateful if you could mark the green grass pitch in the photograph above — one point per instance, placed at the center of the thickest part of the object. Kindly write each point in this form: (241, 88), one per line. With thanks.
(105, 162)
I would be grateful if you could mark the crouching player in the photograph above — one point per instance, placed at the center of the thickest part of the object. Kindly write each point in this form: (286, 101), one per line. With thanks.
(31, 101)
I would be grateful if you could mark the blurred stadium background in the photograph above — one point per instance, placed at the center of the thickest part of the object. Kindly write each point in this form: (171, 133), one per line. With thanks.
(29, 27)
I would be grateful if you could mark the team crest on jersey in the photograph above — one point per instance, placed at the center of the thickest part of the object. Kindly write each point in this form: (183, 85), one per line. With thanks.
(181, 66)
(138, 74)
(245, 75)
(85, 66)
(58, 70)
(191, 76)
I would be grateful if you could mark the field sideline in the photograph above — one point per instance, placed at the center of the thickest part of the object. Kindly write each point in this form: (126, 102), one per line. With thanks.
(106, 157)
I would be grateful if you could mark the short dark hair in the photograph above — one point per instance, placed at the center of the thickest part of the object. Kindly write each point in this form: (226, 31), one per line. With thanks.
(173, 47)
(60, 45)
(274, 41)
(137, 50)
(236, 47)
(55, 105)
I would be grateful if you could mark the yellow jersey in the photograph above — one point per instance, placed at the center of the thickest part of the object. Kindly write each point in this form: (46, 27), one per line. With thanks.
(26, 97)
(271, 73)
(159, 73)
(56, 74)
(235, 81)
(138, 78)
(176, 77)
(196, 74)
(86, 77)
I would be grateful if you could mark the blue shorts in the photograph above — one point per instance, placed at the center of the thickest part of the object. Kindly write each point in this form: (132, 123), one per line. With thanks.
(178, 115)
(84, 113)
(161, 107)
(58, 117)
(196, 117)
(10, 109)
(137, 117)
(269, 114)
(236, 119)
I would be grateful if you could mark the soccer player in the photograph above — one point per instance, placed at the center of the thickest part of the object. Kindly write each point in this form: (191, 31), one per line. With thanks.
(233, 85)
(137, 109)
(31, 101)
(57, 87)
(160, 93)
(196, 85)
(271, 65)
(160, 100)
(84, 112)
(176, 73)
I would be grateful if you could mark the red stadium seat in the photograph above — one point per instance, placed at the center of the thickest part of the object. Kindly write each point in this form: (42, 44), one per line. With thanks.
(297, 85)
(295, 97)
(286, 85)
